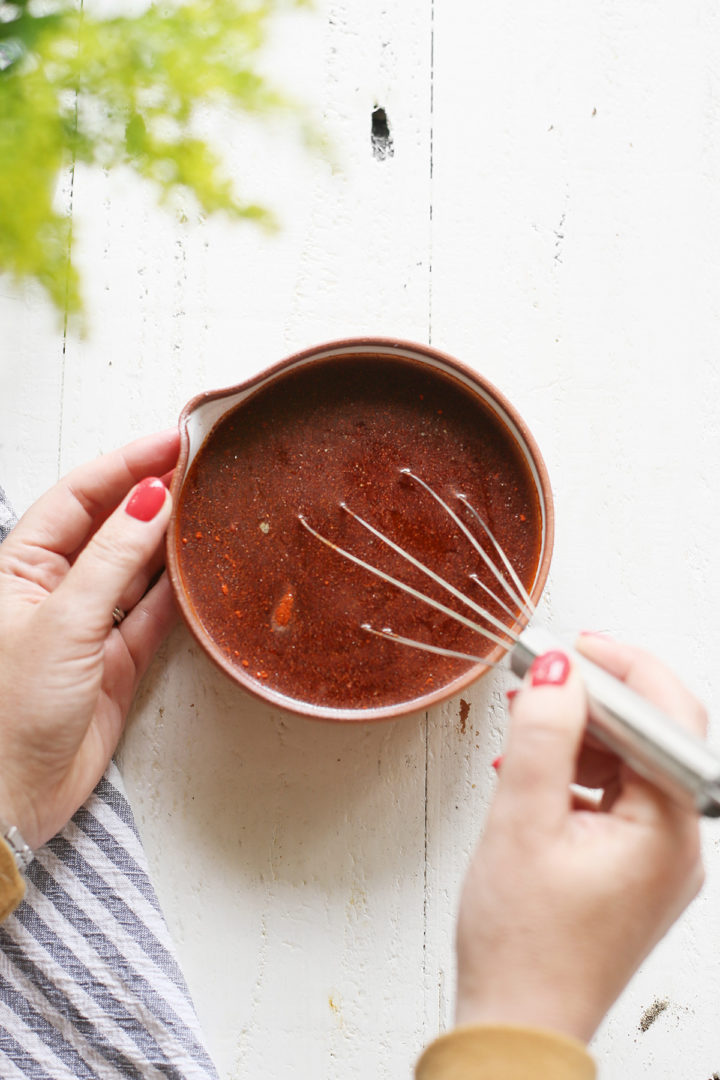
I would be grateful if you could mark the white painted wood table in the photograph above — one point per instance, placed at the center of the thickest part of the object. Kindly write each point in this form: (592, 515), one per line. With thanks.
(551, 216)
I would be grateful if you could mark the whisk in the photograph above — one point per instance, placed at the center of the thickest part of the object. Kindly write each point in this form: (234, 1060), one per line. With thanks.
(653, 744)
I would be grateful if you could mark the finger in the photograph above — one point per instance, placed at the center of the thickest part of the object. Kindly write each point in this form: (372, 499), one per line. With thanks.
(145, 576)
(611, 793)
(63, 518)
(149, 623)
(139, 636)
(103, 571)
(548, 720)
(98, 521)
(596, 767)
(633, 797)
(647, 675)
(600, 769)
(595, 787)
(639, 801)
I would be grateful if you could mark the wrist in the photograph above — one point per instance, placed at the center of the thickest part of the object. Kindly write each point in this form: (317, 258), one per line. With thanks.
(540, 1012)
(19, 849)
(17, 810)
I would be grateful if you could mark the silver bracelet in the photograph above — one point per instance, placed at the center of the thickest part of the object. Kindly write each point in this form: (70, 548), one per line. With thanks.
(21, 852)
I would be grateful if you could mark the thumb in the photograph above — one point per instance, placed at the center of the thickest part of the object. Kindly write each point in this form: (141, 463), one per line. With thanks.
(548, 720)
(112, 559)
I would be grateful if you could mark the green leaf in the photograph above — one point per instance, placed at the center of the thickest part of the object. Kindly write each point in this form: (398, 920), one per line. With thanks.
(124, 90)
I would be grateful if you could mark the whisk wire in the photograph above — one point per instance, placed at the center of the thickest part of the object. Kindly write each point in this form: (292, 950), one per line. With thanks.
(390, 635)
(483, 630)
(520, 598)
(516, 599)
(527, 601)
(477, 608)
(501, 603)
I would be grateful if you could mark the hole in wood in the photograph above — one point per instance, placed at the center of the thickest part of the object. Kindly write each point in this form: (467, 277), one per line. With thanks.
(380, 137)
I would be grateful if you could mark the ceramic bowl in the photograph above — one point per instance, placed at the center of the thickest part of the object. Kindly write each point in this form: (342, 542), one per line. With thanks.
(203, 413)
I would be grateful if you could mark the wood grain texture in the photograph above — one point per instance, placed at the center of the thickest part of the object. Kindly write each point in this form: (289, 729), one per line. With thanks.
(550, 215)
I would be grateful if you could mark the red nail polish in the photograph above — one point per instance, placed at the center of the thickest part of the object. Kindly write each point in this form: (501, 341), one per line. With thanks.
(550, 669)
(497, 763)
(510, 694)
(147, 499)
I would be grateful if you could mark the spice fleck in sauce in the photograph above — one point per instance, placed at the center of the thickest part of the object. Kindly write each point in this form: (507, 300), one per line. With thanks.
(287, 610)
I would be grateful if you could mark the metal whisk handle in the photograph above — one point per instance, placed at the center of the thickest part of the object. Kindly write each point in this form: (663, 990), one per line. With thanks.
(653, 744)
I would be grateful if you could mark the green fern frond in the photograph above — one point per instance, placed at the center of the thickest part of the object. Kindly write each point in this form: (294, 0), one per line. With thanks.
(118, 91)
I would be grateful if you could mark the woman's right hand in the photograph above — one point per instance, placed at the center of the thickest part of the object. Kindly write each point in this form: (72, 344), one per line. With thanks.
(561, 904)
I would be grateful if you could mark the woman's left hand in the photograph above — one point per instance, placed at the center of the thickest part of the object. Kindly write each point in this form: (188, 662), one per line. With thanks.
(92, 544)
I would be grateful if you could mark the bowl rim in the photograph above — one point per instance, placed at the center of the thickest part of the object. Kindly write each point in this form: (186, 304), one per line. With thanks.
(387, 345)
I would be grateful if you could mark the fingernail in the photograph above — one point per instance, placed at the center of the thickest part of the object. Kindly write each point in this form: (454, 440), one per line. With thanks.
(147, 499)
(497, 763)
(510, 694)
(550, 669)
(592, 633)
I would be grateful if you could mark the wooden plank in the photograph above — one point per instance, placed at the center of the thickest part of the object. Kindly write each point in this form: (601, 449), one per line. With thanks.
(288, 855)
(31, 376)
(575, 239)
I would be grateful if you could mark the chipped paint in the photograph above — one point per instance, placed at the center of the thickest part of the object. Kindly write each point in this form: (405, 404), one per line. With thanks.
(652, 1012)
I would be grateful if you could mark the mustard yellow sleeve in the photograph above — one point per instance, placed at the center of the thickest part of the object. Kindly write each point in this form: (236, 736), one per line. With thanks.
(12, 883)
(504, 1053)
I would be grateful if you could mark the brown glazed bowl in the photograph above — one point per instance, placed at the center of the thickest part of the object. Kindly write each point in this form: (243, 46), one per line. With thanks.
(201, 417)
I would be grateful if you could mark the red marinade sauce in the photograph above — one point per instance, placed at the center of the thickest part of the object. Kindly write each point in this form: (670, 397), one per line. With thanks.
(288, 610)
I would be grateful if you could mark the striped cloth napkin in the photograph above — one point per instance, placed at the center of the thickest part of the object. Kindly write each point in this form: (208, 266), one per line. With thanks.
(90, 988)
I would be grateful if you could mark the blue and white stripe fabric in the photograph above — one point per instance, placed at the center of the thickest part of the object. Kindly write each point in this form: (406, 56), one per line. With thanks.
(90, 988)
